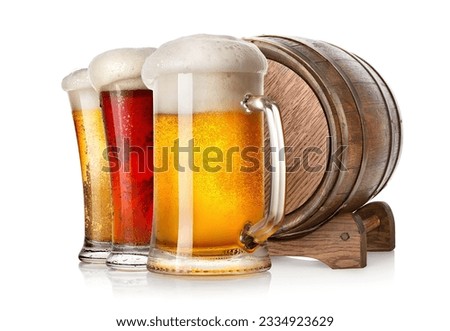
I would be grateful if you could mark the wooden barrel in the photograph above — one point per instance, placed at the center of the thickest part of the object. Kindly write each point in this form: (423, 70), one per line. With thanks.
(341, 124)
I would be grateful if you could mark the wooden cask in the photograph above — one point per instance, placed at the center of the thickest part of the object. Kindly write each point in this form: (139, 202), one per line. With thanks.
(342, 129)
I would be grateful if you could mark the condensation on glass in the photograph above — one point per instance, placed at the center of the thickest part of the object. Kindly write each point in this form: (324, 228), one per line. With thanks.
(208, 157)
(127, 107)
(90, 132)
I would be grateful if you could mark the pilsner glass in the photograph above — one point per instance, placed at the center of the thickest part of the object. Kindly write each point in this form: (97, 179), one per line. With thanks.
(128, 116)
(88, 120)
(208, 157)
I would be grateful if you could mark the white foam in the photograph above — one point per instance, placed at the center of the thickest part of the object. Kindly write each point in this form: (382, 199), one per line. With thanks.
(82, 95)
(210, 91)
(119, 69)
(202, 54)
(76, 80)
(218, 70)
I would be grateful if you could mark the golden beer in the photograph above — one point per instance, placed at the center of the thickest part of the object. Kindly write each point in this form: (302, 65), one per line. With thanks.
(96, 180)
(88, 120)
(209, 211)
(227, 190)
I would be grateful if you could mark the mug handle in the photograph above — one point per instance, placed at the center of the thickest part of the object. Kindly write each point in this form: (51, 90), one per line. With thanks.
(257, 234)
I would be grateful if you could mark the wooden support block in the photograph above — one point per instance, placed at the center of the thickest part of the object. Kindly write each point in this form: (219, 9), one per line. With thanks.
(344, 240)
(382, 238)
(339, 243)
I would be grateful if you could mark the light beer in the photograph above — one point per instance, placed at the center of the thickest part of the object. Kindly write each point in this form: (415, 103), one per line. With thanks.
(209, 212)
(88, 120)
(226, 193)
(96, 181)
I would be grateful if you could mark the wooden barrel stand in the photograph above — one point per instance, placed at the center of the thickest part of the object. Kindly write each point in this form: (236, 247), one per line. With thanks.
(336, 106)
(343, 241)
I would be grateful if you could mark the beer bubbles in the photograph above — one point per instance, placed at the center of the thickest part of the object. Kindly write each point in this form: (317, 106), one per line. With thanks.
(208, 155)
(88, 120)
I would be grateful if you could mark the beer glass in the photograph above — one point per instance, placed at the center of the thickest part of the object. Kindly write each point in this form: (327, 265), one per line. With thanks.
(128, 117)
(90, 132)
(208, 157)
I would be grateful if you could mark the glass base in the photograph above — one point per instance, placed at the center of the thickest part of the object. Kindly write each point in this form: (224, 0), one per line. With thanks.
(94, 251)
(164, 262)
(128, 258)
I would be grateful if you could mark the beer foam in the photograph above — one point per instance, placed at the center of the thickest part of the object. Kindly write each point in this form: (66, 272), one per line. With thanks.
(82, 95)
(119, 69)
(216, 70)
(203, 92)
(202, 54)
(76, 80)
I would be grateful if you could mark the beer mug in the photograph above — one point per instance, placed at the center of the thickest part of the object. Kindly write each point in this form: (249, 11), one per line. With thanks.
(90, 132)
(208, 157)
(128, 117)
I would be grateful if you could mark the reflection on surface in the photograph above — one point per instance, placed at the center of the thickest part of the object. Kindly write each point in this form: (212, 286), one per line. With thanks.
(128, 282)
(220, 286)
(304, 273)
(156, 285)
(93, 274)
(287, 273)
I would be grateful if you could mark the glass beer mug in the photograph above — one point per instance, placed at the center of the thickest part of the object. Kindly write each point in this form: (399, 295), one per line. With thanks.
(208, 157)
(88, 120)
(128, 117)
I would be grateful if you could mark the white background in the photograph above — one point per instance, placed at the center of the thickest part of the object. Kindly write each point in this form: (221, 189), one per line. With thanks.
(41, 283)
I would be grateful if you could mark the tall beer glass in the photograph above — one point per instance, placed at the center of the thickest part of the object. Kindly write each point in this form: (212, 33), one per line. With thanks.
(88, 120)
(208, 157)
(128, 115)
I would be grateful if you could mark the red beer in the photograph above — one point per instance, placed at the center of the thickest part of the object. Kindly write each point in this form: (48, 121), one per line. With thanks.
(128, 118)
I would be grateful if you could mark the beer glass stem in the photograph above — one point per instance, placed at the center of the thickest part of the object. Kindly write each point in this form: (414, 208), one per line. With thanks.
(254, 235)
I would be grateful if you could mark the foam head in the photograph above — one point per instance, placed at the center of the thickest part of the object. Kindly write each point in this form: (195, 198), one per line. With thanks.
(216, 70)
(119, 69)
(82, 95)
(204, 54)
(76, 80)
